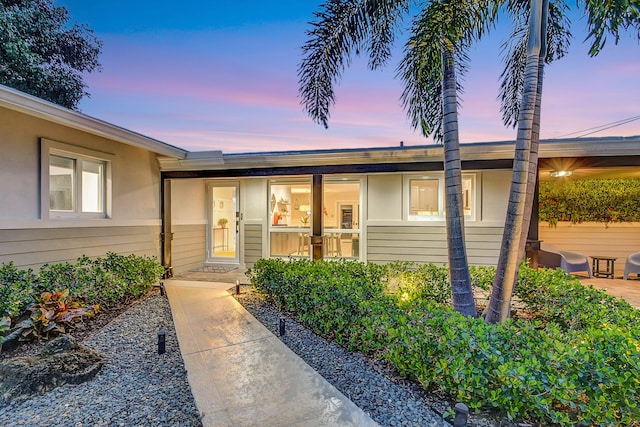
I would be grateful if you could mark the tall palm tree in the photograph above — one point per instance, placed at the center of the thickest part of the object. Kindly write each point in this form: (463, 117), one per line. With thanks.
(525, 157)
(605, 18)
(433, 54)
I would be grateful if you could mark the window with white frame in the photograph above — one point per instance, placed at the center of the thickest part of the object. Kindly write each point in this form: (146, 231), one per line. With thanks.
(78, 181)
(426, 197)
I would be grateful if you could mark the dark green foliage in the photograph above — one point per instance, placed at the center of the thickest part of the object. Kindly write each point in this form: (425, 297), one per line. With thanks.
(64, 293)
(590, 200)
(555, 297)
(327, 296)
(106, 281)
(575, 363)
(41, 54)
(16, 290)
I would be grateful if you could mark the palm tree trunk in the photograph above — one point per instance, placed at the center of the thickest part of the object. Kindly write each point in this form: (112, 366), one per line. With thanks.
(461, 291)
(513, 243)
(535, 130)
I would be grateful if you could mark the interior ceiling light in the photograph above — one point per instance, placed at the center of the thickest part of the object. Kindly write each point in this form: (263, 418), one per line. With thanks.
(558, 174)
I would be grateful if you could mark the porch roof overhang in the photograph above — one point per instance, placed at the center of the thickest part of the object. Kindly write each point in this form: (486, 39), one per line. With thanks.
(27, 104)
(612, 151)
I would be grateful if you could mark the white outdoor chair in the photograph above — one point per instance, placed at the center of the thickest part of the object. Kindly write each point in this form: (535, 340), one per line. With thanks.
(632, 265)
(552, 257)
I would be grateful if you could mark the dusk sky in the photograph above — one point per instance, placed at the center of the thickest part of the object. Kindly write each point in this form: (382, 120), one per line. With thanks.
(218, 75)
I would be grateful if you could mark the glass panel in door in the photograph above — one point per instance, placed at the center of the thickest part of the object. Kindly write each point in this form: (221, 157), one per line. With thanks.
(224, 214)
(342, 219)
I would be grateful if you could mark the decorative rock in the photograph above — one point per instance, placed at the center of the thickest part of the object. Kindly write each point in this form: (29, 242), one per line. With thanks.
(62, 361)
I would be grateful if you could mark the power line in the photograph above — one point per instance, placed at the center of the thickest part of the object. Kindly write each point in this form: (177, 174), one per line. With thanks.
(600, 128)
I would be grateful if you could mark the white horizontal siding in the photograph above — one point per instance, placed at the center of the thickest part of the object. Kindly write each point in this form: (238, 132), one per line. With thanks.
(188, 248)
(252, 244)
(32, 248)
(429, 244)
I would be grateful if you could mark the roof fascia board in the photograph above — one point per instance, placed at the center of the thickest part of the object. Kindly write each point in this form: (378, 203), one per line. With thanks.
(502, 150)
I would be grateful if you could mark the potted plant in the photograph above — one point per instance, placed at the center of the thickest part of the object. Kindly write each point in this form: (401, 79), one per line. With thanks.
(222, 222)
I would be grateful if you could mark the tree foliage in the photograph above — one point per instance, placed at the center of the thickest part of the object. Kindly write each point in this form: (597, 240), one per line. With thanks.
(43, 54)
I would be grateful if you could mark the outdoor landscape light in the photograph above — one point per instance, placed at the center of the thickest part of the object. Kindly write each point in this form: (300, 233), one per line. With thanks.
(161, 341)
(558, 174)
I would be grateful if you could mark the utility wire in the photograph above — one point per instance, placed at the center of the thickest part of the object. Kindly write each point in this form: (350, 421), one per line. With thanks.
(600, 128)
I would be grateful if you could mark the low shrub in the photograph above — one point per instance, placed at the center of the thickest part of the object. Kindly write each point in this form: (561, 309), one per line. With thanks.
(560, 367)
(554, 296)
(16, 290)
(107, 281)
(61, 294)
(326, 296)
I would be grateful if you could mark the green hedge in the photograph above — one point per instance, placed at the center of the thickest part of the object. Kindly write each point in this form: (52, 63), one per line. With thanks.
(107, 281)
(590, 200)
(567, 365)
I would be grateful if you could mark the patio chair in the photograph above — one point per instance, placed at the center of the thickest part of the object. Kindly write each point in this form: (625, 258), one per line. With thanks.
(552, 257)
(632, 265)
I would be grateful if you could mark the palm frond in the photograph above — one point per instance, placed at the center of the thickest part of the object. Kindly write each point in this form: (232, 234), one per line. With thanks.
(385, 25)
(514, 53)
(342, 28)
(442, 25)
(609, 17)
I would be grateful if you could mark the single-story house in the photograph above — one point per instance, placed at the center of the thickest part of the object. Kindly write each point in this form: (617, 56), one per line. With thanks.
(76, 185)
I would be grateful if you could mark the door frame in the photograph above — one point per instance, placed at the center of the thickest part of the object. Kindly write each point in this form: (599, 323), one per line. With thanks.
(233, 225)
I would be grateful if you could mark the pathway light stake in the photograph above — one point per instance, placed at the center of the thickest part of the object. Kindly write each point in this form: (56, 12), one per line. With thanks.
(462, 412)
(237, 287)
(162, 291)
(161, 341)
(281, 326)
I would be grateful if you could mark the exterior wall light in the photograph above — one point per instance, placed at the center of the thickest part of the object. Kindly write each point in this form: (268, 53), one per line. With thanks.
(558, 174)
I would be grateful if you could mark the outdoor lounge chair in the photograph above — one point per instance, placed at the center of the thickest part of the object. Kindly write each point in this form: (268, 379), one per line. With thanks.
(552, 257)
(632, 265)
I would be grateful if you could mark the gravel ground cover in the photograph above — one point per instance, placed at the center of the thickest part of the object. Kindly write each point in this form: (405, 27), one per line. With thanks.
(135, 387)
(390, 402)
(374, 386)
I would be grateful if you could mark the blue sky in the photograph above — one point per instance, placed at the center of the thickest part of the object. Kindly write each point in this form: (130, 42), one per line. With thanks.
(214, 75)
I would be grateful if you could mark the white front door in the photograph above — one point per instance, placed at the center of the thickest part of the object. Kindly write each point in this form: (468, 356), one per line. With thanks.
(223, 240)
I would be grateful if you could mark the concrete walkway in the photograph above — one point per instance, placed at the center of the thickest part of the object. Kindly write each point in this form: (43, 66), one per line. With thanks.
(241, 374)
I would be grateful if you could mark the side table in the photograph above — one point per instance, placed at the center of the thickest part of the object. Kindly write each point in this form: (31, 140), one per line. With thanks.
(606, 270)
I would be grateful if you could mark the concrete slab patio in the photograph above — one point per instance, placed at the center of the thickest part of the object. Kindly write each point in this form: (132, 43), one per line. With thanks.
(628, 290)
(241, 374)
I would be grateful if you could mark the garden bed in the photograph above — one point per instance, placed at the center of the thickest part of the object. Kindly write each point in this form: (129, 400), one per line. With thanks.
(572, 359)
